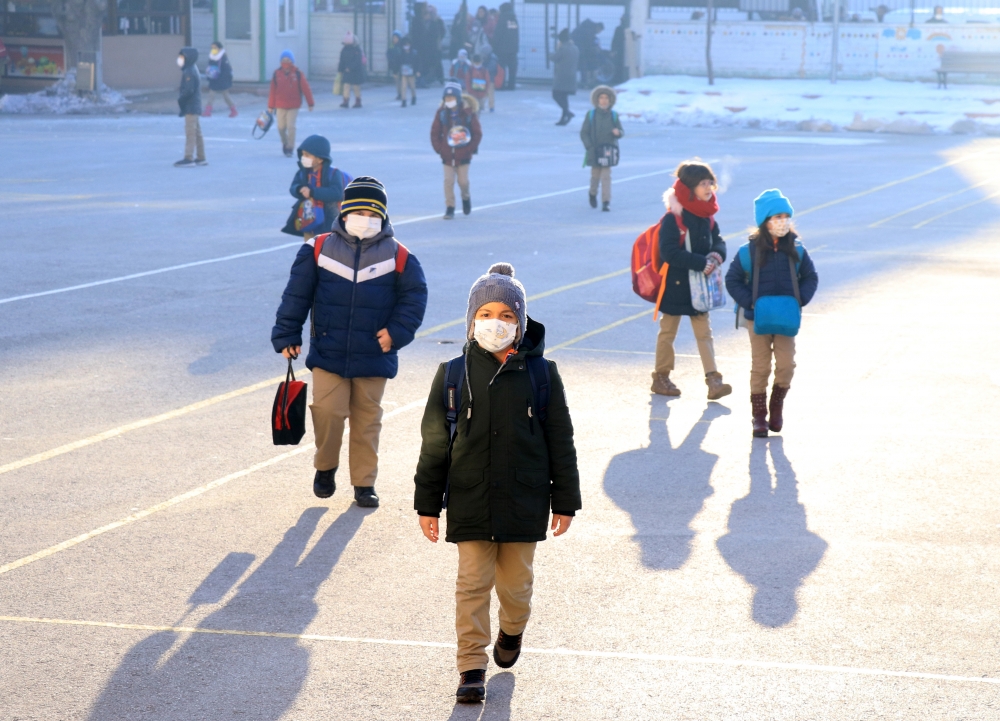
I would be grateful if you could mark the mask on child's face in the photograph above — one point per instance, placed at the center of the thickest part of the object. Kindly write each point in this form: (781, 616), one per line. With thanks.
(493, 334)
(450, 103)
(779, 227)
(307, 162)
(361, 226)
(180, 61)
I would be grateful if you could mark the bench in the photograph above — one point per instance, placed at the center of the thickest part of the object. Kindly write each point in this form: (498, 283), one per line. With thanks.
(963, 62)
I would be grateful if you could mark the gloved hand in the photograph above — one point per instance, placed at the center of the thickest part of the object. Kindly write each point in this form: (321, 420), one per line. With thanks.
(714, 261)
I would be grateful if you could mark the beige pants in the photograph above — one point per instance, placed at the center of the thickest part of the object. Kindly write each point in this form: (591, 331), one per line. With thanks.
(491, 93)
(336, 399)
(762, 347)
(192, 138)
(225, 96)
(286, 126)
(347, 92)
(481, 566)
(451, 173)
(399, 83)
(602, 176)
(669, 325)
(408, 82)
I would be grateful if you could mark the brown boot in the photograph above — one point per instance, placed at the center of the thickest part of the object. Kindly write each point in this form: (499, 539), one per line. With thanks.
(758, 401)
(777, 404)
(664, 386)
(716, 388)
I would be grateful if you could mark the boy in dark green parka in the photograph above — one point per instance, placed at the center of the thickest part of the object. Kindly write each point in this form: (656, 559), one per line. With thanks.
(601, 131)
(506, 471)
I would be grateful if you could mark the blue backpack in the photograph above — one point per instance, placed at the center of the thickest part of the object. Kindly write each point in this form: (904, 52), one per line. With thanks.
(454, 379)
(774, 314)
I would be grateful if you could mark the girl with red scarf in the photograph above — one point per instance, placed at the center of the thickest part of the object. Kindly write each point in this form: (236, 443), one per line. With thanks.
(691, 207)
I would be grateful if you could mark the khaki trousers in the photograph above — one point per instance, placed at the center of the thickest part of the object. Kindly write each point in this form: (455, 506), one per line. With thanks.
(669, 325)
(347, 92)
(762, 347)
(491, 93)
(481, 566)
(286, 126)
(192, 138)
(451, 173)
(225, 96)
(336, 399)
(408, 81)
(602, 176)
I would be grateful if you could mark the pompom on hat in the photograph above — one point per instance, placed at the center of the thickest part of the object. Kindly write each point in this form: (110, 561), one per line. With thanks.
(498, 286)
(769, 203)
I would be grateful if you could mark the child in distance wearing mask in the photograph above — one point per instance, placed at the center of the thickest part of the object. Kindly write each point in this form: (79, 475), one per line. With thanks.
(318, 184)
(511, 460)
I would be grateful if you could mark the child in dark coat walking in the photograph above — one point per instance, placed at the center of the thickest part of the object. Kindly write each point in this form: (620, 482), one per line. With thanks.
(352, 69)
(781, 263)
(409, 62)
(511, 459)
(455, 136)
(600, 132)
(220, 79)
(318, 187)
(189, 102)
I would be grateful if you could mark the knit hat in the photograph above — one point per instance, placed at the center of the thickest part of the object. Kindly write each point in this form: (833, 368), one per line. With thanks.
(770, 202)
(287, 54)
(464, 54)
(453, 90)
(498, 286)
(365, 193)
(349, 38)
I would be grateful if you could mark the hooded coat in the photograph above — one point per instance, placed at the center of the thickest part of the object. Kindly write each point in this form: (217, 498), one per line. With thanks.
(352, 293)
(352, 64)
(465, 114)
(506, 471)
(224, 79)
(705, 239)
(775, 277)
(565, 60)
(189, 96)
(507, 35)
(598, 125)
(330, 190)
(393, 53)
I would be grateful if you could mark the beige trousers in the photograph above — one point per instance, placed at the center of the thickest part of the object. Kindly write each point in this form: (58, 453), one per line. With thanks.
(451, 173)
(408, 82)
(347, 92)
(336, 399)
(762, 347)
(286, 126)
(602, 176)
(225, 96)
(669, 325)
(481, 566)
(192, 138)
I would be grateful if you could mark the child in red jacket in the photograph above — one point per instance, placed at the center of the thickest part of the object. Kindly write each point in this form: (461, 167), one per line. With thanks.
(455, 136)
(288, 87)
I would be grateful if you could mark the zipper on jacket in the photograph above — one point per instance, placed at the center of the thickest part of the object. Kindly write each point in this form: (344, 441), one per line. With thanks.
(531, 419)
(350, 323)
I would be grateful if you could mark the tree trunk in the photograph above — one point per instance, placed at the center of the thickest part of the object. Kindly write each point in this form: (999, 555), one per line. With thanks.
(709, 11)
(80, 24)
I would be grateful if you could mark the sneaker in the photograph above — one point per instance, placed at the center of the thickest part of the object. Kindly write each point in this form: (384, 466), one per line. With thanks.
(413, 100)
(449, 213)
(184, 163)
(466, 206)
(365, 496)
(288, 152)
(404, 104)
(564, 120)
(593, 201)
(570, 116)
(233, 112)
(323, 483)
(201, 161)
(606, 208)
(471, 686)
(506, 649)
(662, 385)
(207, 112)
(492, 109)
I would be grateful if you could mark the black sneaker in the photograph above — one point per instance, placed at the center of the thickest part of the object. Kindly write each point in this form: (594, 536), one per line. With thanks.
(365, 496)
(404, 103)
(466, 206)
(606, 207)
(288, 152)
(507, 649)
(449, 213)
(472, 686)
(593, 201)
(201, 162)
(184, 163)
(323, 483)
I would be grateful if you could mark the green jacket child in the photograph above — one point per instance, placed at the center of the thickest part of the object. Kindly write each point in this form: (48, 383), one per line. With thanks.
(601, 128)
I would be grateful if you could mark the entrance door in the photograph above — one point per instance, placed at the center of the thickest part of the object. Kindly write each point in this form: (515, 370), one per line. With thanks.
(239, 30)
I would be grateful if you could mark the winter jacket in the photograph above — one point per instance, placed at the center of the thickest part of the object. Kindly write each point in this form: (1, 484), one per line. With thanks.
(507, 470)
(506, 37)
(224, 79)
(409, 59)
(775, 278)
(352, 293)
(597, 126)
(288, 88)
(352, 64)
(465, 114)
(460, 71)
(565, 59)
(393, 53)
(704, 240)
(189, 97)
(482, 75)
(330, 190)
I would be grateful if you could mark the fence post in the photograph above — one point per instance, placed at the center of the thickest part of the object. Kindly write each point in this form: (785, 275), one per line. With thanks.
(709, 11)
(834, 49)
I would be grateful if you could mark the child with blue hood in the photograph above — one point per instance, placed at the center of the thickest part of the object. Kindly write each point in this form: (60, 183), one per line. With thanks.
(318, 188)
(189, 103)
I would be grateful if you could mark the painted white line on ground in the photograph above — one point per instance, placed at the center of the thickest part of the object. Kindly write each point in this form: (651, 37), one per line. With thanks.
(602, 329)
(877, 223)
(223, 140)
(808, 140)
(922, 223)
(614, 655)
(45, 553)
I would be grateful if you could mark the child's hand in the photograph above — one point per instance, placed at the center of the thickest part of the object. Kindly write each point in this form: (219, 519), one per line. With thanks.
(384, 340)
(291, 351)
(304, 191)
(560, 524)
(429, 525)
(616, 132)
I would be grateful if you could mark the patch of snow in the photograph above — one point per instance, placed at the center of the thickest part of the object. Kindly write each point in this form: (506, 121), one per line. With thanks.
(877, 106)
(62, 98)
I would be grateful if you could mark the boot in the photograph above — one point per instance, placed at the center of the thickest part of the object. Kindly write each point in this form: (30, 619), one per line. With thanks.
(593, 200)
(413, 100)
(716, 388)
(449, 213)
(365, 496)
(207, 112)
(466, 206)
(404, 103)
(758, 401)
(324, 484)
(775, 407)
(662, 385)
(357, 102)
(346, 103)
(606, 207)
(232, 112)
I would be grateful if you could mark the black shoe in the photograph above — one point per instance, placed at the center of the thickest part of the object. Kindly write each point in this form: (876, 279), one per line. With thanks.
(449, 213)
(472, 686)
(365, 496)
(404, 104)
(507, 649)
(345, 104)
(563, 120)
(413, 100)
(323, 483)
(570, 116)
(593, 201)
(184, 163)
(201, 162)
(466, 206)
(606, 208)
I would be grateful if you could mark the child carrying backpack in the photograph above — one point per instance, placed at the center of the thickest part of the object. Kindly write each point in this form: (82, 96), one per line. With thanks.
(600, 132)
(318, 188)
(771, 279)
(497, 454)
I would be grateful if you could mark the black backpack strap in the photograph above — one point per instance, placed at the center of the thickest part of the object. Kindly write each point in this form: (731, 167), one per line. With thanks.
(454, 379)
(541, 384)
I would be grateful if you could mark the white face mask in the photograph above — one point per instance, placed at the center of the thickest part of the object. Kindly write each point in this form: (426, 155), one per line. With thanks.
(306, 162)
(779, 227)
(180, 62)
(450, 104)
(361, 226)
(494, 335)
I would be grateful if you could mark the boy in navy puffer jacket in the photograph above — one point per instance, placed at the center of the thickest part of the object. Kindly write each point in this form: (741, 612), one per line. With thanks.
(772, 245)
(367, 297)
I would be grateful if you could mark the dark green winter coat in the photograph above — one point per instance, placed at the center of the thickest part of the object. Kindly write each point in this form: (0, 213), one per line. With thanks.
(507, 471)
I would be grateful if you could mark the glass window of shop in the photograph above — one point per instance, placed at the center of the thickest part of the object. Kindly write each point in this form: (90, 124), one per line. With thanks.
(147, 17)
(27, 20)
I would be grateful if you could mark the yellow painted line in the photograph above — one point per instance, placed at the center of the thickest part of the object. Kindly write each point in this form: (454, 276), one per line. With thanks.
(145, 422)
(618, 655)
(602, 329)
(922, 223)
(877, 223)
(45, 553)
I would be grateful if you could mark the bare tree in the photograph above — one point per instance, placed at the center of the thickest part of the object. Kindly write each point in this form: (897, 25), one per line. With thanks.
(80, 24)
(709, 12)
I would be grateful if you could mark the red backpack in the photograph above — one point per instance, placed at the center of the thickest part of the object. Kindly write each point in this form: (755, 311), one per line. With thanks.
(649, 273)
(402, 253)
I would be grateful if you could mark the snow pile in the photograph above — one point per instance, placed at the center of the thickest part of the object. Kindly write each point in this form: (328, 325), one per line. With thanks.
(877, 105)
(62, 99)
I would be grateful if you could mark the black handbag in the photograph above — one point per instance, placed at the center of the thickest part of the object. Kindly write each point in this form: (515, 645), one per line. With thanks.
(606, 156)
(288, 415)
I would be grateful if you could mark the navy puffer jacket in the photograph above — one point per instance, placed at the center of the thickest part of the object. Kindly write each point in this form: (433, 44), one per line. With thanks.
(775, 277)
(353, 293)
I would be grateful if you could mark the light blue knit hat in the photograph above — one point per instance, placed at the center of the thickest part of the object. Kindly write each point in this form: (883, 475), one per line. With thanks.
(770, 202)
(287, 54)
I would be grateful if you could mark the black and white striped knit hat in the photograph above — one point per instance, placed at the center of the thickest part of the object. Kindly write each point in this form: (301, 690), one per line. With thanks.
(365, 193)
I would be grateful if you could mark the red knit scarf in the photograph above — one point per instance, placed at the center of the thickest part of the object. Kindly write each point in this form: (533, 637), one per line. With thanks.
(701, 208)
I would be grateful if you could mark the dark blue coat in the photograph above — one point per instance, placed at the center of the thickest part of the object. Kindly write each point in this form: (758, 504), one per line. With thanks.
(330, 190)
(775, 278)
(705, 239)
(189, 96)
(224, 80)
(352, 293)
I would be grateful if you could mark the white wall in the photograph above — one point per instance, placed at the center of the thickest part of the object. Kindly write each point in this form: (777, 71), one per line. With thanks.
(327, 33)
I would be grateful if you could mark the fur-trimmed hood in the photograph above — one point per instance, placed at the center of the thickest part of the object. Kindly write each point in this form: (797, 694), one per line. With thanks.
(671, 203)
(601, 90)
(467, 102)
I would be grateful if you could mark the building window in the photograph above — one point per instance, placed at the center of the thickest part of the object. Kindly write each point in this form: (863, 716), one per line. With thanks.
(237, 19)
(286, 17)
(147, 17)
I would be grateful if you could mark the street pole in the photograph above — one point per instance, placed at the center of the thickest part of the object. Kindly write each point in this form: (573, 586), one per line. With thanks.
(709, 10)
(836, 39)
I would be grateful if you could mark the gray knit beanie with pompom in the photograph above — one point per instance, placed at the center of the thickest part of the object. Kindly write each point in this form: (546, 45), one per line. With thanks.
(498, 286)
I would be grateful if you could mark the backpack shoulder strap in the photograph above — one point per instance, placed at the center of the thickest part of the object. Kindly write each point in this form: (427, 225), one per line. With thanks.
(745, 259)
(402, 255)
(454, 379)
(801, 251)
(318, 246)
(541, 383)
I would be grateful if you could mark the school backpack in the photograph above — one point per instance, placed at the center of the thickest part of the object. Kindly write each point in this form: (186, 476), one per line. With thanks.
(454, 379)
(773, 314)
(402, 252)
(649, 272)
